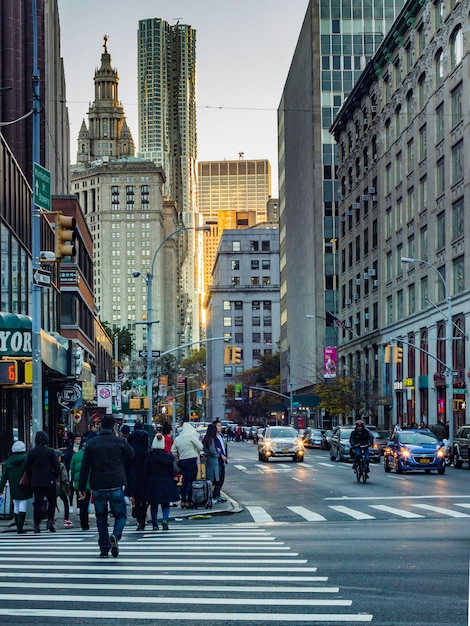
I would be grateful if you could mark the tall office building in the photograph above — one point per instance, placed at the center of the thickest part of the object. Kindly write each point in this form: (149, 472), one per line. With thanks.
(121, 197)
(231, 194)
(336, 41)
(167, 136)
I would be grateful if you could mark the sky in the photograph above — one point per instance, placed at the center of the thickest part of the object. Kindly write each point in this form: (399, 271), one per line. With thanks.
(244, 49)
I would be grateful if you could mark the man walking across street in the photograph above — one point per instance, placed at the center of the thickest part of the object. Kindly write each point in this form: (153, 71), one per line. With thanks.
(105, 459)
(222, 450)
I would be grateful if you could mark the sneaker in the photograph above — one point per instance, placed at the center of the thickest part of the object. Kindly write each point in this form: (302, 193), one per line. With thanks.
(114, 546)
(165, 524)
(104, 555)
(37, 529)
(220, 499)
(51, 527)
(155, 527)
(67, 523)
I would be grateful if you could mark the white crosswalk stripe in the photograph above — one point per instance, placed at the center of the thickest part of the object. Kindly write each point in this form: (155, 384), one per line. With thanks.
(165, 577)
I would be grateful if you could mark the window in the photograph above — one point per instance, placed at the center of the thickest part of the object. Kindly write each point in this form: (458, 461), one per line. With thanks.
(388, 179)
(235, 265)
(256, 321)
(423, 194)
(227, 305)
(440, 123)
(389, 309)
(422, 91)
(422, 143)
(420, 39)
(440, 178)
(387, 135)
(255, 265)
(238, 305)
(456, 47)
(266, 264)
(227, 321)
(238, 337)
(441, 230)
(409, 107)
(457, 219)
(265, 246)
(375, 234)
(410, 156)
(236, 246)
(411, 299)
(255, 305)
(457, 162)
(366, 241)
(458, 274)
(389, 266)
(255, 280)
(267, 305)
(439, 67)
(398, 169)
(267, 337)
(238, 320)
(424, 293)
(227, 370)
(256, 337)
(256, 354)
(266, 280)
(438, 13)
(423, 243)
(456, 105)
(235, 280)
(267, 321)
(254, 246)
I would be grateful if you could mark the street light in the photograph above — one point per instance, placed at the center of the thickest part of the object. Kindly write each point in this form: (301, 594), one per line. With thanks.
(449, 373)
(148, 280)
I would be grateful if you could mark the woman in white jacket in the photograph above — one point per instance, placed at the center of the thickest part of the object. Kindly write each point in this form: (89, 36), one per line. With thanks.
(186, 449)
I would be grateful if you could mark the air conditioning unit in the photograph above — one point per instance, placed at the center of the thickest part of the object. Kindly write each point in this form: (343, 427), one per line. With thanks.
(349, 212)
(375, 198)
(371, 190)
(356, 322)
(366, 316)
(374, 161)
(342, 219)
(356, 296)
(376, 283)
(371, 272)
(348, 324)
(366, 170)
(364, 198)
(373, 109)
(358, 281)
(366, 276)
(356, 205)
(348, 302)
(358, 180)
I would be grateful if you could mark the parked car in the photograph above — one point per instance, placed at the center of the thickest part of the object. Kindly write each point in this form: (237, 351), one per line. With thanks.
(414, 450)
(459, 452)
(325, 439)
(280, 441)
(312, 437)
(340, 448)
(381, 439)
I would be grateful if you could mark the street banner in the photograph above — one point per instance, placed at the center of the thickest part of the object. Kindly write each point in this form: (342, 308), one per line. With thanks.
(105, 397)
(329, 362)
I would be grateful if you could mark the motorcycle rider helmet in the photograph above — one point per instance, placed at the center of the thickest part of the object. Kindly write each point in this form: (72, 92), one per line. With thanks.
(359, 423)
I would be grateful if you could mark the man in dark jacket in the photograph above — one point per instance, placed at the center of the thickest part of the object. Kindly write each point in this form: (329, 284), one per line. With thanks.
(139, 442)
(43, 468)
(105, 459)
(360, 436)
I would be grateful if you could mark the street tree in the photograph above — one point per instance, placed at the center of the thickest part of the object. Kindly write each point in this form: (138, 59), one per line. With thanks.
(337, 395)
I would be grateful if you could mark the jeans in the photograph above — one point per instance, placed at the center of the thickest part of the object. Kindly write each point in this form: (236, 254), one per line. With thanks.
(50, 493)
(189, 471)
(357, 455)
(154, 512)
(117, 504)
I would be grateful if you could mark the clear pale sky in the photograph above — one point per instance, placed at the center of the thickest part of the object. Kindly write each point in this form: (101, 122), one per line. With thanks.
(243, 50)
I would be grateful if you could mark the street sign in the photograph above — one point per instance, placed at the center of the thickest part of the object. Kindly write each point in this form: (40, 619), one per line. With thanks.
(459, 390)
(42, 278)
(155, 353)
(41, 187)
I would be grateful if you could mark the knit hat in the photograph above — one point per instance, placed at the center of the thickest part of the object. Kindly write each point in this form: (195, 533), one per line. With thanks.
(18, 446)
(125, 430)
(158, 442)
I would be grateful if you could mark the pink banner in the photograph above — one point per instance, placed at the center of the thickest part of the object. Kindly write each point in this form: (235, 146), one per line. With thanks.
(329, 362)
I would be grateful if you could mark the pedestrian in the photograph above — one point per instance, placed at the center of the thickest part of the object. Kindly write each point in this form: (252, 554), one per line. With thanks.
(91, 432)
(212, 455)
(83, 503)
(72, 448)
(439, 430)
(105, 460)
(43, 469)
(222, 452)
(186, 447)
(12, 473)
(125, 431)
(160, 488)
(63, 489)
(139, 442)
(167, 432)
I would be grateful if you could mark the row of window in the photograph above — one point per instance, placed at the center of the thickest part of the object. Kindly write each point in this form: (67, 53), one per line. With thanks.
(255, 246)
(255, 264)
(256, 305)
(255, 321)
(255, 280)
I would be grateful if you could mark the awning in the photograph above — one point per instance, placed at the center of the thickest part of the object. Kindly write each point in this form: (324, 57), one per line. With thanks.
(16, 340)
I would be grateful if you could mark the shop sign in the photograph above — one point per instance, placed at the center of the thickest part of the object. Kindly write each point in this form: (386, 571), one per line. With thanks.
(409, 382)
(15, 342)
(398, 385)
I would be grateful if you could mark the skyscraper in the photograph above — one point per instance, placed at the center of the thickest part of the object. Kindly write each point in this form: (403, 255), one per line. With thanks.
(336, 42)
(167, 136)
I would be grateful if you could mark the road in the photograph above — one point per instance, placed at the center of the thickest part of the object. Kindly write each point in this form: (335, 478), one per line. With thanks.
(397, 553)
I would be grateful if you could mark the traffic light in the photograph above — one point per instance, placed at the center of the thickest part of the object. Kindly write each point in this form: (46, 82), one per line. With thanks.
(397, 354)
(8, 372)
(65, 235)
(388, 355)
(227, 355)
(236, 355)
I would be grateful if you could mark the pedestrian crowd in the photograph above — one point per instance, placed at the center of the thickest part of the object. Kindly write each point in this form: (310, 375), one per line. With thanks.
(111, 469)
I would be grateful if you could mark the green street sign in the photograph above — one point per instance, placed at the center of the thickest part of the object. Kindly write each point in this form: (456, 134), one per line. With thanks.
(459, 390)
(41, 187)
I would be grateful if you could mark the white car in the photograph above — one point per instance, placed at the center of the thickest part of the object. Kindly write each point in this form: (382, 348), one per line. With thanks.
(280, 441)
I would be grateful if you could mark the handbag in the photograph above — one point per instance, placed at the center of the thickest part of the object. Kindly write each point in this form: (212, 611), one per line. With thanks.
(25, 480)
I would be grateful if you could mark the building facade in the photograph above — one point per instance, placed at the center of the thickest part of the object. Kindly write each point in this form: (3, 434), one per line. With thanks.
(336, 41)
(167, 136)
(242, 305)
(403, 138)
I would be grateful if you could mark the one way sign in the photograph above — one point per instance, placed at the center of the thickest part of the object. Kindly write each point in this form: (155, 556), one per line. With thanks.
(42, 278)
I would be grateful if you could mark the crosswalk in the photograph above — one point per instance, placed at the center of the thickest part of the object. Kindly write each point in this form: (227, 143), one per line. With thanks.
(359, 511)
(164, 577)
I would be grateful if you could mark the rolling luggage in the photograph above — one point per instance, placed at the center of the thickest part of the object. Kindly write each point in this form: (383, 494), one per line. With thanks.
(201, 489)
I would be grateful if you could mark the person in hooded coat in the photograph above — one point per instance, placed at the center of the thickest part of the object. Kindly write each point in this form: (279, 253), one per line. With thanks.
(12, 472)
(42, 467)
(139, 442)
(160, 488)
(186, 447)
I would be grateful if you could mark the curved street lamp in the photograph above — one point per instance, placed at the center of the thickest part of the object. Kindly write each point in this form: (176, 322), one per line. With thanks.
(449, 372)
(148, 280)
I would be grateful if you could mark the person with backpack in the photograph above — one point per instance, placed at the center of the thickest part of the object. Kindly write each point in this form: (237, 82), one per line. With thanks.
(12, 473)
(83, 503)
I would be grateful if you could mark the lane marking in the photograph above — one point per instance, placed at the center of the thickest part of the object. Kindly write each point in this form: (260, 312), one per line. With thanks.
(259, 514)
(352, 512)
(438, 509)
(395, 477)
(394, 497)
(240, 467)
(327, 464)
(299, 480)
(400, 512)
(264, 561)
(151, 568)
(310, 516)
(164, 576)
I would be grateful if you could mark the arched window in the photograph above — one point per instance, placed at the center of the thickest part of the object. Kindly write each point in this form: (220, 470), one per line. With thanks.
(421, 91)
(441, 347)
(458, 345)
(456, 47)
(398, 122)
(409, 107)
(439, 67)
(387, 134)
(423, 355)
(365, 157)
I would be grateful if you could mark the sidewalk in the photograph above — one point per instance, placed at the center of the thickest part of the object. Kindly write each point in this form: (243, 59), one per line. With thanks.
(176, 513)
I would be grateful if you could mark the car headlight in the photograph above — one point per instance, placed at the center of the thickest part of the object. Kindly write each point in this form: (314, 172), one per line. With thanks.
(441, 453)
(405, 452)
(300, 444)
(375, 445)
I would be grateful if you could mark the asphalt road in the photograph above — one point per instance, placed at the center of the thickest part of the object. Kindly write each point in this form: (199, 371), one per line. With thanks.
(311, 546)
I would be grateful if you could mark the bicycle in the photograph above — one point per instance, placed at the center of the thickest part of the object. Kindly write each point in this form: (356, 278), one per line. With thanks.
(361, 465)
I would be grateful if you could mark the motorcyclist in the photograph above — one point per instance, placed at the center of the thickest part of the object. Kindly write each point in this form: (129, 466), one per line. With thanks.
(360, 436)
